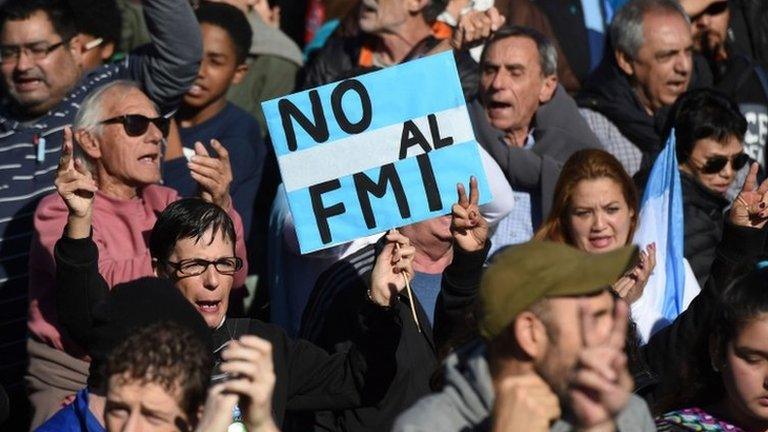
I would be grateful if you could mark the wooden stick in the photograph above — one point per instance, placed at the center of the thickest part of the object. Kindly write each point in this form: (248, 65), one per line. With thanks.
(410, 295)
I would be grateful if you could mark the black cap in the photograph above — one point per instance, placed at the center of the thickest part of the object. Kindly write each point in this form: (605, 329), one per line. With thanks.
(132, 305)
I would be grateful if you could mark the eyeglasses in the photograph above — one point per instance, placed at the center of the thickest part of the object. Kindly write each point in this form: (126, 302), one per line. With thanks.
(137, 124)
(198, 266)
(715, 164)
(36, 51)
(713, 9)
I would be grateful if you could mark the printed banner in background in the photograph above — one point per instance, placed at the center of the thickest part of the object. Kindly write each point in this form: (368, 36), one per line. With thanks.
(374, 152)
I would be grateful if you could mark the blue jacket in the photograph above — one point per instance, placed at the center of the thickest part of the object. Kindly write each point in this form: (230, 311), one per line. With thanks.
(75, 417)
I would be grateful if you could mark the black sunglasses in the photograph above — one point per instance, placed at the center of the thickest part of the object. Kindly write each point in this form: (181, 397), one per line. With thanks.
(713, 9)
(137, 124)
(715, 164)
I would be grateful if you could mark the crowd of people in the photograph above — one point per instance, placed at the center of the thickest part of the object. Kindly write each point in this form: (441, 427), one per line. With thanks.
(151, 276)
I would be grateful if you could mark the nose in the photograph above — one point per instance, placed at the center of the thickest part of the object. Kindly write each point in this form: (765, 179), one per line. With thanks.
(684, 63)
(210, 278)
(598, 222)
(154, 134)
(133, 424)
(499, 80)
(25, 61)
(703, 21)
(727, 171)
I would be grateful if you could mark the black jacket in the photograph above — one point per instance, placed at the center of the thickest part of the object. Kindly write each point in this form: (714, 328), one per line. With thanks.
(339, 58)
(307, 377)
(608, 91)
(326, 322)
(703, 219)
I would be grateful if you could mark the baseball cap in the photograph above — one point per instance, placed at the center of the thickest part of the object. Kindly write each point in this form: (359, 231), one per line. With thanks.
(523, 274)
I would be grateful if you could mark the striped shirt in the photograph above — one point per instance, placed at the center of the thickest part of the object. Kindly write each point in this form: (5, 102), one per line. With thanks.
(29, 156)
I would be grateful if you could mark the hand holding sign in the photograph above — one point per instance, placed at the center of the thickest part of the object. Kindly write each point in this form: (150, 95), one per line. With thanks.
(213, 174)
(469, 228)
(393, 266)
(601, 385)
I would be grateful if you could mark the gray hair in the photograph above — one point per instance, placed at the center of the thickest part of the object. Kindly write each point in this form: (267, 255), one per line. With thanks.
(627, 26)
(90, 115)
(547, 51)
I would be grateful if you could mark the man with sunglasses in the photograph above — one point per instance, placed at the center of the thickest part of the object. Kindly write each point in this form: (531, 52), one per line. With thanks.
(43, 83)
(719, 35)
(709, 130)
(118, 134)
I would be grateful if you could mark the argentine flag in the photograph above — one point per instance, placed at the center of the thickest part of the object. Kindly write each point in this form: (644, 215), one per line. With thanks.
(672, 285)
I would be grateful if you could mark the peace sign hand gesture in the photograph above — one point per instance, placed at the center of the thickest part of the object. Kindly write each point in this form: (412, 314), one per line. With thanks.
(469, 227)
(750, 209)
(600, 385)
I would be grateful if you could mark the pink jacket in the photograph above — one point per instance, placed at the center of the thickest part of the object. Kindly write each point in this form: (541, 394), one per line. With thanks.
(121, 231)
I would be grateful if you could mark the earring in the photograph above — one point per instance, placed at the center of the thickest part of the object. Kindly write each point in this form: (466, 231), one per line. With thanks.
(714, 366)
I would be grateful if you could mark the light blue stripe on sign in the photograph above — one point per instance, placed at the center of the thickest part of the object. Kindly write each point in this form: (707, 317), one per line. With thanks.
(450, 165)
(426, 85)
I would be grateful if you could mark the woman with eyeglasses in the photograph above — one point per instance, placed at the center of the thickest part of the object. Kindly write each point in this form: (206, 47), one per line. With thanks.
(709, 130)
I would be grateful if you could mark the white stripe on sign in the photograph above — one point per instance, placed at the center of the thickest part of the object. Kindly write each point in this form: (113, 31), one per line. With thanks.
(367, 150)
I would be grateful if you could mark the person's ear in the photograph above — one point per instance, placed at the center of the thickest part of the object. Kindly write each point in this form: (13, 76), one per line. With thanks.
(155, 267)
(548, 89)
(530, 334)
(107, 51)
(624, 62)
(240, 71)
(89, 142)
(416, 6)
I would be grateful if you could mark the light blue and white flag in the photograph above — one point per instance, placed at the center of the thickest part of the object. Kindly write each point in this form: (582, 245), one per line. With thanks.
(672, 285)
(374, 152)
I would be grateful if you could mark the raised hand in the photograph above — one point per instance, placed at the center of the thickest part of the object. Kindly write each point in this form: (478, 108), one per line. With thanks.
(248, 361)
(750, 208)
(600, 384)
(393, 265)
(213, 174)
(630, 286)
(469, 227)
(76, 186)
(524, 403)
(474, 27)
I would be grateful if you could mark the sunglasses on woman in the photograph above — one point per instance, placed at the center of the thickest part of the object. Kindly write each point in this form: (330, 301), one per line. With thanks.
(715, 164)
(137, 124)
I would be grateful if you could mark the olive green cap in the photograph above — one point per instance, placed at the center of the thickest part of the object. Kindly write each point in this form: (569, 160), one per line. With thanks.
(523, 274)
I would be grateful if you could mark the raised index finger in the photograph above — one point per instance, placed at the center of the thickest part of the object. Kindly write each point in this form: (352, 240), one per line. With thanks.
(618, 336)
(65, 162)
(750, 183)
(474, 194)
(463, 201)
(586, 324)
(220, 150)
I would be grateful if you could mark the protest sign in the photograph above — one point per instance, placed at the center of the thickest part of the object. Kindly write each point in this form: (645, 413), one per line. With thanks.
(374, 152)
